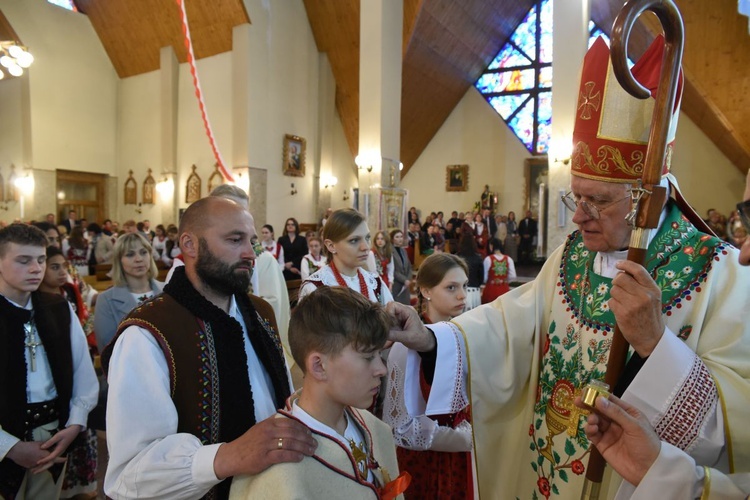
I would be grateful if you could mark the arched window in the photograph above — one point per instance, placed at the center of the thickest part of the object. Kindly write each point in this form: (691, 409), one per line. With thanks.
(518, 82)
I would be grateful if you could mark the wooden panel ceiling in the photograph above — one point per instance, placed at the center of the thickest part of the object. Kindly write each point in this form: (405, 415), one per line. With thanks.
(447, 44)
(7, 33)
(133, 31)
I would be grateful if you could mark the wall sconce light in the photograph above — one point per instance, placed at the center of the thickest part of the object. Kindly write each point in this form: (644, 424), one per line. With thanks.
(367, 161)
(561, 150)
(564, 161)
(294, 191)
(4, 206)
(139, 210)
(165, 188)
(346, 194)
(328, 181)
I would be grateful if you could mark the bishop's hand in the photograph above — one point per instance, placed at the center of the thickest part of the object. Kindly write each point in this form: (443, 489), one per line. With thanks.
(635, 300)
(409, 329)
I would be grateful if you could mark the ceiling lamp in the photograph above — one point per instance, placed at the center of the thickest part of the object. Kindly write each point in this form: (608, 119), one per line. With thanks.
(14, 57)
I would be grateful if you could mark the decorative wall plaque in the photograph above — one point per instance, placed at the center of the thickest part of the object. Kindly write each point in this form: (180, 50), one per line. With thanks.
(131, 190)
(149, 188)
(193, 187)
(215, 180)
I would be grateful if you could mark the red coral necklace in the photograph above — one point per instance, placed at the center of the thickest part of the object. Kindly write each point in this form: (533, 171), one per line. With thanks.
(340, 279)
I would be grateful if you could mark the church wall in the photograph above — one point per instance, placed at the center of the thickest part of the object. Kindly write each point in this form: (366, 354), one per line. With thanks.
(73, 88)
(282, 92)
(11, 152)
(706, 177)
(139, 146)
(475, 135)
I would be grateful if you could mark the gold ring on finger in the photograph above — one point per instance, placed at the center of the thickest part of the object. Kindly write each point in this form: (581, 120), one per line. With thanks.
(280, 444)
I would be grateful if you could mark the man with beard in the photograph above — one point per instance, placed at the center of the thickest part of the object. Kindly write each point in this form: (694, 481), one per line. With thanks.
(196, 373)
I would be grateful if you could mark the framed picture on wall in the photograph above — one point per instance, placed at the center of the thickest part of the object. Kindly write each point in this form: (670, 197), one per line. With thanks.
(457, 178)
(294, 155)
(392, 209)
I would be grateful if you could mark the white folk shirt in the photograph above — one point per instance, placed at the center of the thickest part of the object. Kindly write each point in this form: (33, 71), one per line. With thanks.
(148, 458)
(41, 387)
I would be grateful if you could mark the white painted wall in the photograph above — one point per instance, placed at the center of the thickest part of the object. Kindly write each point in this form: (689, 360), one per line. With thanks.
(706, 177)
(473, 134)
(73, 88)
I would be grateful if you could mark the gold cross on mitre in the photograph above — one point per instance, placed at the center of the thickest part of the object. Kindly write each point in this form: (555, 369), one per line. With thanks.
(589, 100)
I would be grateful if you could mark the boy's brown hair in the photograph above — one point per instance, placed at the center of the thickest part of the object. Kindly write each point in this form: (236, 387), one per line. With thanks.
(21, 234)
(331, 318)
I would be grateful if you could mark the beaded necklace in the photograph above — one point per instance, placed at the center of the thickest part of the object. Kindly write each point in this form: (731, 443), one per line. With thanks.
(340, 279)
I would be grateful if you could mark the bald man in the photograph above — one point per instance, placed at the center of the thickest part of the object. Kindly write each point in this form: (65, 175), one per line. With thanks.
(196, 372)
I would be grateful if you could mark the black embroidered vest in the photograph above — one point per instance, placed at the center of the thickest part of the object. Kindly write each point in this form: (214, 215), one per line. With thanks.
(52, 319)
(206, 351)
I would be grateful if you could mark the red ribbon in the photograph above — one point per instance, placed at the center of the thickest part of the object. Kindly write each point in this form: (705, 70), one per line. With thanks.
(396, 487)
(199, 94)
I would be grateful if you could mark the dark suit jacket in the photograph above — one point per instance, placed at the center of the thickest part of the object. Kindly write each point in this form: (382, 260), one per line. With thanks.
(527, 227)
(402, 271)
(491, 225)
(66, 223)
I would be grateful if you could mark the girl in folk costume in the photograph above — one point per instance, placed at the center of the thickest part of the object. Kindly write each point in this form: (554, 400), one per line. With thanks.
(80, 473)
(314, 260)
(346, 244)
(498, 271)
(435, 450)
(382, 258)
(270, 245)
(481, 234)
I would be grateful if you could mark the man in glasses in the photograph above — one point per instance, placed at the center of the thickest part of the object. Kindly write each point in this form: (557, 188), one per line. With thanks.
(653, 467)
(522, 360)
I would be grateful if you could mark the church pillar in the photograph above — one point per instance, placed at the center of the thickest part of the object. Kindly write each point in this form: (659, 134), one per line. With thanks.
(570, 39)
(380, 56)
(324, 181)
(169, 88)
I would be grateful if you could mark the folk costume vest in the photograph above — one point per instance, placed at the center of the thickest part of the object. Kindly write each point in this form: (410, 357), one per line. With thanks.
(51, 316)
(205, 354)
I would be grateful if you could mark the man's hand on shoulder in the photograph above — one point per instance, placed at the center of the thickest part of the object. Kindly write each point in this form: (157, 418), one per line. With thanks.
(408, 328)
(258, 448)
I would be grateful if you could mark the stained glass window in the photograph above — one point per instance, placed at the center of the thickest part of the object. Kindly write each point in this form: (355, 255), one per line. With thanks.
(518, 82)
(65, 4)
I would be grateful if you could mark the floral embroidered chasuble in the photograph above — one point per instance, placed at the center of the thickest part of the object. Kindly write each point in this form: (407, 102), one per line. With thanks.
(526, 368)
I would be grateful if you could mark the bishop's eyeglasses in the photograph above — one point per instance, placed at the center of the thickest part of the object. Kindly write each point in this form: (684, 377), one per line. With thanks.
(590, 208)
